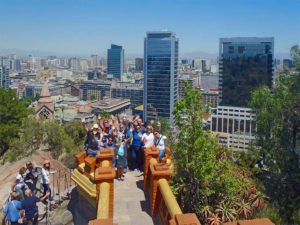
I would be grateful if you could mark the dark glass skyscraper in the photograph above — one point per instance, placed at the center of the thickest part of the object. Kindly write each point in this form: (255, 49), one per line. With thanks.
(244, 65)
(115, 61)
(160, 74)
(4, 77)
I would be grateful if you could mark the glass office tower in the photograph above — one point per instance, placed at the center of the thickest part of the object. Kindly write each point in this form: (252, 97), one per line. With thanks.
(115, 61)
(244, 65)
(160, 75)
(4, 77)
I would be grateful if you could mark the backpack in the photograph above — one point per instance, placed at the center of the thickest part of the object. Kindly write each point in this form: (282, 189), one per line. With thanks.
(121, 149)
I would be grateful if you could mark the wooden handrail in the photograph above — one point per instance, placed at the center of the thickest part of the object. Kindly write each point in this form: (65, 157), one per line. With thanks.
(169, 198)
(103, 203)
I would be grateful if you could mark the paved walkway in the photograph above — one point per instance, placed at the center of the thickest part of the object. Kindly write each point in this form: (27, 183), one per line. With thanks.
(130, 206)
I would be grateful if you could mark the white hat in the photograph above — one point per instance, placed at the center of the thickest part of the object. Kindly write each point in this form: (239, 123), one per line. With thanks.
(96, 126)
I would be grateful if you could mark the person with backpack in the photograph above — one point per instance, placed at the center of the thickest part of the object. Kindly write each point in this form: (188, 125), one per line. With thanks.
(159, 142)
(13, 208)
(121, 156)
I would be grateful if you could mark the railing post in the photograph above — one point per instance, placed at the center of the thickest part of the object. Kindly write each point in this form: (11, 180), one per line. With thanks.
(90, 164)
(105, 154)
(80, 157)
(102, 175)
(157, 172)
(149, 154)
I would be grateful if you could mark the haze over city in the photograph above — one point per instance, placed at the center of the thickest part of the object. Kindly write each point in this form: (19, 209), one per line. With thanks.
(150, 112)
(84, 27)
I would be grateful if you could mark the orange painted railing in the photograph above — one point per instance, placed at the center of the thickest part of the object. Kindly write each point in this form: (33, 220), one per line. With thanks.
(162, 201)
(100, 172)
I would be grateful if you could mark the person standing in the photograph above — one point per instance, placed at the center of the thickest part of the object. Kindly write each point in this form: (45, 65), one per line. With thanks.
(159, 142)
(45, 178)
(13, 209)
(30, 207)
(136, 148)
(148, 138)
(121, 156)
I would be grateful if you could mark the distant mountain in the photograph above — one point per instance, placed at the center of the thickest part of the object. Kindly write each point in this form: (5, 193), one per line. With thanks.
(185, 55)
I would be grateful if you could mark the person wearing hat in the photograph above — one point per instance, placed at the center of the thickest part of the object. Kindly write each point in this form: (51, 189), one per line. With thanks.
(92, 140)
(45, 178)
(30, 176)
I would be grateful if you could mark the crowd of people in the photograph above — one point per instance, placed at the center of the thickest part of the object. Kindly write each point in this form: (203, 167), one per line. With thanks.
(128, 138)
(22, 206)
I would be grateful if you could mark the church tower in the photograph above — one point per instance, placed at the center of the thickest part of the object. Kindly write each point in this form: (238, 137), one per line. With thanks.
(45, 106)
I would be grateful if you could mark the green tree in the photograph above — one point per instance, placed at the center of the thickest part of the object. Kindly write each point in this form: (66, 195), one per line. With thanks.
(206, 180)
(274, 157)
(93, 97)
(12, 112)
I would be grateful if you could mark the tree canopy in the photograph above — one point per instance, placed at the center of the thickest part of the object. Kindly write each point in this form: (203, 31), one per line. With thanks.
(12, 112)
(275, 155)
(206, 179)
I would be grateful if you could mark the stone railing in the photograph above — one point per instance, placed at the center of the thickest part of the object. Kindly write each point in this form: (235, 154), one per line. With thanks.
(94, 177)
(162, 201)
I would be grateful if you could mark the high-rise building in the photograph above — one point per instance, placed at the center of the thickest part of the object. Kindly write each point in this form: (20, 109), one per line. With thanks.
(181, 84)
(139, 64)
(244, 65)
(115, 61)
(4, 77)
(94, 61)
(160, 75)
(234, 127)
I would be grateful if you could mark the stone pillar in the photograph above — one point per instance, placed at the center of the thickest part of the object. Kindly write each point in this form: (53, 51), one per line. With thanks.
(105, 154)
(149, 154)
(185, 219)
(157, 172)
(90, 164)
(106, 174)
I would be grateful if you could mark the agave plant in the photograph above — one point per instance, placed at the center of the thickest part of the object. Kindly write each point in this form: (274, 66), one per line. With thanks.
(206, 212)
(244, 209)
(226, 212)
(214, 219)
(258, 199)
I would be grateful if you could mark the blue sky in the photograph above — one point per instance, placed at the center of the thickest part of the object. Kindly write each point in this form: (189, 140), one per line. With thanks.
(90, 26)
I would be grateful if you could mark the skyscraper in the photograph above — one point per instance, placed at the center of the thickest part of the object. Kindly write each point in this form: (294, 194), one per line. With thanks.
(4, 77)
(115, 61)
(244, 65)
(160, 75)
(94, 61)
(139, 64)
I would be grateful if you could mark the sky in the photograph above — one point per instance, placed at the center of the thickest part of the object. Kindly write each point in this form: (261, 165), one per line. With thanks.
(90, 26)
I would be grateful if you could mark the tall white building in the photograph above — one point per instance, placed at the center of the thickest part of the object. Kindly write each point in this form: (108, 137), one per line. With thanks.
(234, 127)
(94, 61)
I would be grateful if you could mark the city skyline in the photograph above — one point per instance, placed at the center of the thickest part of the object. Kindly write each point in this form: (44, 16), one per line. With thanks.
(85, 28)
